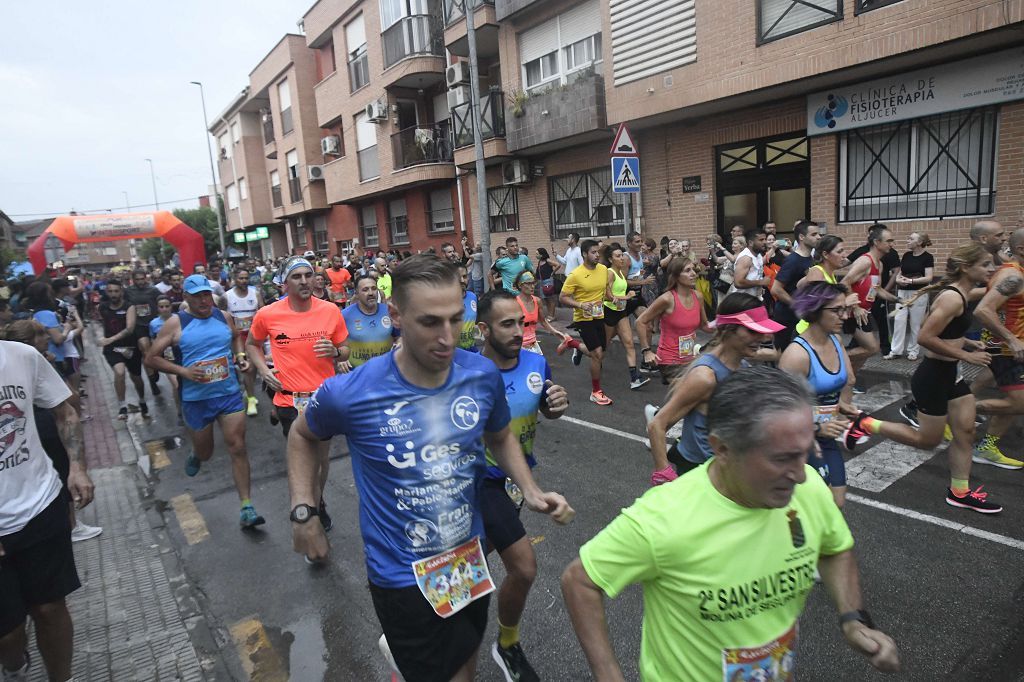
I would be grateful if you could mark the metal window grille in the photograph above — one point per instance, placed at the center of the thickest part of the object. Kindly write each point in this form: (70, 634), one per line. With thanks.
(503, 209)
(780, 18)
(585, 203)
(370, 235)
(934, 167)
(861, 6)
(399, 227)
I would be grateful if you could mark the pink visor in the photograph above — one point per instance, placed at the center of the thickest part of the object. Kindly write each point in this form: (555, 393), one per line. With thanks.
(756, 320)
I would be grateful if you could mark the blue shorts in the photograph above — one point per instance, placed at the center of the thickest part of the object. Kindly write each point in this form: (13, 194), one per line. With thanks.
(198, 414)
(830, 465)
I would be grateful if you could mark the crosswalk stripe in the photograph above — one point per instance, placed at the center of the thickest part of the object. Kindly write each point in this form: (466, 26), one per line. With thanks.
(878, 467)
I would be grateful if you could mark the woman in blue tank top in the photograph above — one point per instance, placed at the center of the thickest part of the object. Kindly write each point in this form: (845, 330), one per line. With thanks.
(817, 354)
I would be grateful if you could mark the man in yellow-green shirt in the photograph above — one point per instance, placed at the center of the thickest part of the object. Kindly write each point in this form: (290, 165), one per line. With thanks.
(726, 553)
(583, 291)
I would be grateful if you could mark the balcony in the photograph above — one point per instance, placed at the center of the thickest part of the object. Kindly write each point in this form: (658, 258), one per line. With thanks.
(492, 114)
(419, 34)
(294, 190)
(505, 9)
(484, 20)
(422, 144)
(560, 116)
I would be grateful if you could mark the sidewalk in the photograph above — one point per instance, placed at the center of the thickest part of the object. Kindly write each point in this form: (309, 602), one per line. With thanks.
(128, 625)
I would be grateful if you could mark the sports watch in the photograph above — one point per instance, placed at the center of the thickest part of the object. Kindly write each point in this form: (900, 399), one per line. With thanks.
(860, 616)
(302, 513)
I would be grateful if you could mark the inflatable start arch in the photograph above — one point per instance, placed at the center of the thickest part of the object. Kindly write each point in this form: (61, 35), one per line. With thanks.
(80, 229)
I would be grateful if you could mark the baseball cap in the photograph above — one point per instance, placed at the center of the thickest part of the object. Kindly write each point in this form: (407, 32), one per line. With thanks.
(755, 319)
(196, 284)
(309, 254)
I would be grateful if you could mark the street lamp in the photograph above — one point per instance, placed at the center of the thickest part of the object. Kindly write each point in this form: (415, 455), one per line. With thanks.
(127, 204)
(213, 172)
(152, 176)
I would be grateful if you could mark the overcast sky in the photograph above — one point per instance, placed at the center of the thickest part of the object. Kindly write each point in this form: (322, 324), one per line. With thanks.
(91, 89)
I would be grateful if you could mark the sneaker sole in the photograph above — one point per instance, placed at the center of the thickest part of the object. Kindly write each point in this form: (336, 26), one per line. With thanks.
(982, 460)
(910, 420)
(633, 387)
(961, 505)
(601, 403)
(501, 664)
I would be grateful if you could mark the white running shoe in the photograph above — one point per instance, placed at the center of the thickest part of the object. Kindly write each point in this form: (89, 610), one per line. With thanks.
(83, 532)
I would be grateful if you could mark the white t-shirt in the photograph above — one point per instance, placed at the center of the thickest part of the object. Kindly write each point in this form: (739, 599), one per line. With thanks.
(755, 272)
(573, 259)
(162, 288)
(28, 481)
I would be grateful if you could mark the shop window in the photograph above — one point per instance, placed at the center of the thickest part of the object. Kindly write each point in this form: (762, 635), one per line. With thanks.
(780, 18)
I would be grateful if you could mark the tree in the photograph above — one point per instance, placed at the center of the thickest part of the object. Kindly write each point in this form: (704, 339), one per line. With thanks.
(203, 220)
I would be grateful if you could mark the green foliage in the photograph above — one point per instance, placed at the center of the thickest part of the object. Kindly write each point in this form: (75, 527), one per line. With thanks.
(203, 220)
(9, 255)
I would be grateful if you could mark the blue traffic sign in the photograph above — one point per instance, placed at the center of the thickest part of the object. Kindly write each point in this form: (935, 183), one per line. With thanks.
(625, 174)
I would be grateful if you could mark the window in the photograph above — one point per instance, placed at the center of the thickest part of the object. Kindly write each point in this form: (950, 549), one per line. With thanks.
(299, 234)
(243, 189)
(275, 189)
(541, 70)
(232, 192)
(320, 233)
(584, 203)
(294, 188)
(503, 209)
(441, 216)
(236, 132)
(366, 148)
(358, 63)
(780, 18)
(410, 27)
(368, 226)
(225, 146)
(398, 222)
(933, 167)
(284, 99)
(569, 42)
(652, 36)
(868, 5)
(583, 53)
(325, 64)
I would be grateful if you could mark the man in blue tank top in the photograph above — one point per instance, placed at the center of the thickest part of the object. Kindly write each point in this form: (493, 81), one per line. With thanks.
(417, 421)
(210, 391)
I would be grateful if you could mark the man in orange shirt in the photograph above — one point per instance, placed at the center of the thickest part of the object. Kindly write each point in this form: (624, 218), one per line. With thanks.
(307, 337)
(339, 278)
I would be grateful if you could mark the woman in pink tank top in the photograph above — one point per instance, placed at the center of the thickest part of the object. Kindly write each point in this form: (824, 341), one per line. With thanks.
(530, 305)
(681, 314)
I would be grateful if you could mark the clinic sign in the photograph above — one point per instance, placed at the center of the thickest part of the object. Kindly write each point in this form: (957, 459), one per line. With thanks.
(975, 82)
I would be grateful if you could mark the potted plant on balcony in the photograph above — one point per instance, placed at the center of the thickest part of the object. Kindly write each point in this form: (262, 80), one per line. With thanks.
(517, 98)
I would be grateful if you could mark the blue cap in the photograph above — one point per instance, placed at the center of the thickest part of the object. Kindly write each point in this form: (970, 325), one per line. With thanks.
(196, 284)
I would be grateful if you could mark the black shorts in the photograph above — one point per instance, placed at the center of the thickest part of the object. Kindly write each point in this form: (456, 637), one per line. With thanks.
(427, 647)
(831, 465)
(287, 417)
(133, 363)
(613, 317)
(68, 367)
(935, 383)
(676, 459)
(38, 566)
(502, 524)
(1008, 372)
(634, 303)
(592, 333)
(850, 324)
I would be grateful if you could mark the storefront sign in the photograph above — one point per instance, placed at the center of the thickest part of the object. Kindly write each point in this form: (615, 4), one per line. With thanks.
(239, 237)
(252, 236)
(262, 232)
(691, 183)
(975, 82)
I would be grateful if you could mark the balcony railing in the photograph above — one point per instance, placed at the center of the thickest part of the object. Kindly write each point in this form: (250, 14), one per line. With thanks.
(417, 34)
(492, 113)
(275, 196)
(399, 228)
(441, 220)
(286, 121)
(369, 164)
(453, 9)
(294, 190)
(359, 71)
(268, 129)
(422, 144)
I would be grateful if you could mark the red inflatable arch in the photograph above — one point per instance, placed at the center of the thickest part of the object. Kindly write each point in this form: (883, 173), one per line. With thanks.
(80, 229)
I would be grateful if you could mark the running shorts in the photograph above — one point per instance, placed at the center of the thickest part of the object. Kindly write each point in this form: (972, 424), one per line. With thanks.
(830, 465)
(592, 333)
(670, 373)
(1008, 372)
(935, 383)
(676, 458)
(502, 524)
(634, 303)
(133, 362)
(427, 647)
(287, 417)
(38, 566)
(613, 317)
(198, 414)
(850, 324)
(68, 367)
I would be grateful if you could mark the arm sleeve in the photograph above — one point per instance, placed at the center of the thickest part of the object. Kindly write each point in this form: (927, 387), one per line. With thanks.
(50, 390)
(500, 415)
(619, 555)
(325, 414)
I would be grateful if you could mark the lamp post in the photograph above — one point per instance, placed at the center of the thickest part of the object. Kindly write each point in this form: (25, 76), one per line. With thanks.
(152, 177)
(213, 172)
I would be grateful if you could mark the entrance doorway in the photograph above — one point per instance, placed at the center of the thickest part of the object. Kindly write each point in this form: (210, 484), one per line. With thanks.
(760, 181)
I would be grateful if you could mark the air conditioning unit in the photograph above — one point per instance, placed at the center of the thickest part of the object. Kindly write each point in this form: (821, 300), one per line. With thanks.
(457, 74)
(515, 172)
(315, 173)
(458, 95)
(330, 144)
(300, 221)
(377, 111)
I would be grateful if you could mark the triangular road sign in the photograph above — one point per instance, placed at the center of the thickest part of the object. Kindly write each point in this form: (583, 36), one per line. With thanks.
(623, 144)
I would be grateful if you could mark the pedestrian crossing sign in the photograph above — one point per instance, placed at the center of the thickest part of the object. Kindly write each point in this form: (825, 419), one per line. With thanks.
(625, 174)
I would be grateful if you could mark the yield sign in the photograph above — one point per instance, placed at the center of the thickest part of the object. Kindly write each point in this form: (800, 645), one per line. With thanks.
(623, 144)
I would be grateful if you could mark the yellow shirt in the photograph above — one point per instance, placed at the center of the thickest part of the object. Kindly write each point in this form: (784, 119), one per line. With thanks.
(587, 287)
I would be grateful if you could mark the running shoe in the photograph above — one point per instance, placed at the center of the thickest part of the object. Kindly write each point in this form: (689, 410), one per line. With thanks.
(988, 452)
(122, 414)
(249, 518)
(858, 391)
(854, 435)
(156, 389)
(908, 411)
(513, 663)
(577, 356)
(83, 532)
(637, 383)
(19, 675)
(891, 356)
(144, 410)
(978, 420)
(567, 342)
(192, 464)
(912, 356)
(325, 519)
(975, 500)
(600, 398)
(649, 412)
(251, 410)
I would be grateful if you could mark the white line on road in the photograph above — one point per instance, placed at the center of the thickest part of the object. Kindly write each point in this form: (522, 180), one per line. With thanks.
(606, 429)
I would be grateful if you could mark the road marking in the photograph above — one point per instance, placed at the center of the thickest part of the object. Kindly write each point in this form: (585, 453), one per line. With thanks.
(606, 429)
(878, 467)
(936, 521)
(189, 518)
(536, 539)
(879, 396)
(259, 658)
(158, 454)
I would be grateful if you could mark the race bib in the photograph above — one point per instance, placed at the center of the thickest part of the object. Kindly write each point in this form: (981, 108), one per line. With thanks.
(299, 402)
(169, 354)
(594, 310)
(142, 310)
(686, 345)
(825, 413)
(619, 304)
(242, 324)
(774, 661)
(455, 578)
(213, 370)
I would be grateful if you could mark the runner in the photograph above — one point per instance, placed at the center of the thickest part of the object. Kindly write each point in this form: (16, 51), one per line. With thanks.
(119, 347)
(794, 269)
(370, 332)
(528, 389)
(740, 330)
(707, 615)
(210, 392)
(680, 313)
(637, 280)
(511, 264)
(339, 279)
(416, 435)
(864, 278)
(243, 300)
(141, 296)
(748, 268)
(306, 337)
(467, 337)
(533, 315)
(383, 279)
(164, 312)
(618, 299)
(584, 291)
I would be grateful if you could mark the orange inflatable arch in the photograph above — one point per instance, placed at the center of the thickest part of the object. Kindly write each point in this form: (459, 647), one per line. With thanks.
(80, 229)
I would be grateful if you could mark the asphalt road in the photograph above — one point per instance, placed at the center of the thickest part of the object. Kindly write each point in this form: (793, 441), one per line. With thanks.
(951, 596)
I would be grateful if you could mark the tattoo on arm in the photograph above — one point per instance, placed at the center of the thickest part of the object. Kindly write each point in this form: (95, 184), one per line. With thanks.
(1011, 286)
(70, 429)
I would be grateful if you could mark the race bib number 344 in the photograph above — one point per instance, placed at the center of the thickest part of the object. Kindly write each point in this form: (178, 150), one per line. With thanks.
(453, 579)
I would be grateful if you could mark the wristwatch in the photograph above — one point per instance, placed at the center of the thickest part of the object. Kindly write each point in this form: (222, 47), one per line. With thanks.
(302, 513)
(860, 615)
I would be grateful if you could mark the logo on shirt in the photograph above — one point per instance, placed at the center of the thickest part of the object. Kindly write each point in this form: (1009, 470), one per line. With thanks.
(12, 422)
(393, 410)
(796, 529)
(398, 428)
(282, 337)
(535, 383)
(385, 322)
(465, 413)
(472, 306)
(420, 532)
